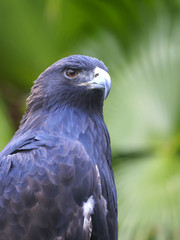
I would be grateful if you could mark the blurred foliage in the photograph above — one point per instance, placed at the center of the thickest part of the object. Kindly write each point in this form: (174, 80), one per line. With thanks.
(139, 42)
(5, 124)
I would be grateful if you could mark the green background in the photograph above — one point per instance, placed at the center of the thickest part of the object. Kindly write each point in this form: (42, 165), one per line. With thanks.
(139, 41)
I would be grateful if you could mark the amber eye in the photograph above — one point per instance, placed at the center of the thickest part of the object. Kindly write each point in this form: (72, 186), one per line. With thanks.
(72, 72)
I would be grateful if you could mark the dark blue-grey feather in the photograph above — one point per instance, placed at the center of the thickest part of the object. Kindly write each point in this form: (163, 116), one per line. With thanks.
(49, 168)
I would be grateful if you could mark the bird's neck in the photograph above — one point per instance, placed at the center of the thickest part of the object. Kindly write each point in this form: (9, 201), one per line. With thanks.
(63, 120)
(87, 128)
(74, 123)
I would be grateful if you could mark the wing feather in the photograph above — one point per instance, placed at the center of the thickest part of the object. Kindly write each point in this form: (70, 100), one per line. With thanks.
(45, 188)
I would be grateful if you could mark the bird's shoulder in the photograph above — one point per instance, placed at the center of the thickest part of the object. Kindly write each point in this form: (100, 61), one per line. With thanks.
(25, 144)
(51, 182)
(49, 161)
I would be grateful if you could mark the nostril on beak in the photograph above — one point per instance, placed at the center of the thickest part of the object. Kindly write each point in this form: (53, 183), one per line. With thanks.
(96, 75)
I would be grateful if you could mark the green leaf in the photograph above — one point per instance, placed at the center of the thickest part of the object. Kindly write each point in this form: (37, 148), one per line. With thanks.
(6, 128)
(149, 198)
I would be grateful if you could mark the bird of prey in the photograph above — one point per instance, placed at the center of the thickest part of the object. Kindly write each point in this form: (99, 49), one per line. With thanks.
(56, 179)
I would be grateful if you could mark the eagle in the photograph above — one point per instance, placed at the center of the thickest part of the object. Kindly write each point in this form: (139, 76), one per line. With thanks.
(56, 178)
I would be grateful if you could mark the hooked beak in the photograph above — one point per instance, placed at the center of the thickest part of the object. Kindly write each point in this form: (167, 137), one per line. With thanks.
(101, 81)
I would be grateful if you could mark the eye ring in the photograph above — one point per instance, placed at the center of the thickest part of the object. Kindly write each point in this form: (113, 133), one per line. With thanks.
(71, 73)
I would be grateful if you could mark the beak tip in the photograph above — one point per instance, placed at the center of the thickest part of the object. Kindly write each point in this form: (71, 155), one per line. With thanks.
(102, 77)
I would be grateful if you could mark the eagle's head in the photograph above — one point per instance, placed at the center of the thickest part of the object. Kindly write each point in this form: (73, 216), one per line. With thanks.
(77, 80)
